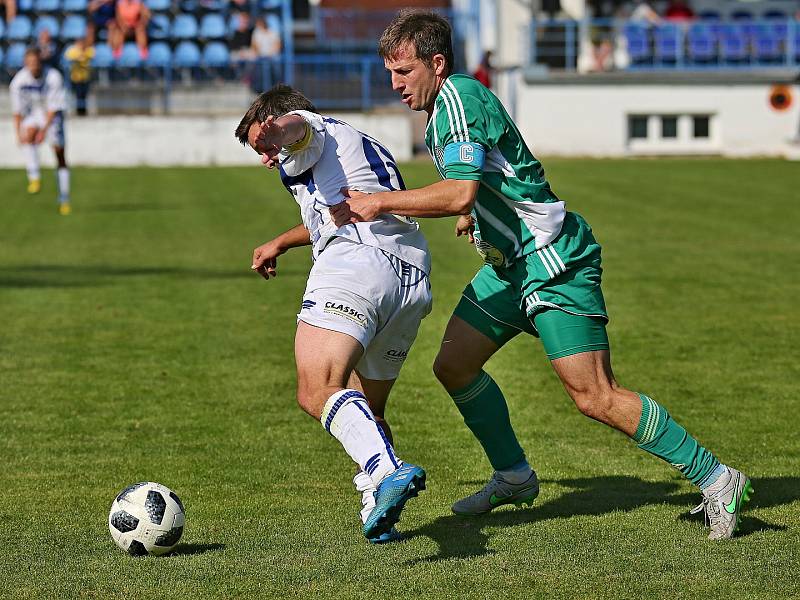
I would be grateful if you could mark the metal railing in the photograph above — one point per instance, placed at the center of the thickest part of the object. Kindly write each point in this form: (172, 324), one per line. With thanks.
(615, 44)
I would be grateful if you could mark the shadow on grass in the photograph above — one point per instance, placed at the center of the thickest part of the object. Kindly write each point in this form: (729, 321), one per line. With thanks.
(464, 537)
(66, 276)
(191, 549)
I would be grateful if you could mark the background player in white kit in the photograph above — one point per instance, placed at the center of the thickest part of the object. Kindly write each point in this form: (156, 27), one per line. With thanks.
(38, 102)
(366, 294)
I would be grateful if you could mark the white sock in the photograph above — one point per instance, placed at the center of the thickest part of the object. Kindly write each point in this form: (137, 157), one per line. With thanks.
(31, 154)
(348, 418)
(63, 184)
(367, 488)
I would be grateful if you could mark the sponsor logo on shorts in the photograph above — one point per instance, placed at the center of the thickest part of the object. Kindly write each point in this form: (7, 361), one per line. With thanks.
(396, 355)
(489, 253)
(308, 304)
(342, 310)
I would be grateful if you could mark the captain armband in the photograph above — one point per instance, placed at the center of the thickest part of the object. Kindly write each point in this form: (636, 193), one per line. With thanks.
(464, 153)
(303, 142)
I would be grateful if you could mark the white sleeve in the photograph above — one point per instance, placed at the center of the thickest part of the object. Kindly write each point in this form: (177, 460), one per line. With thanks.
(16, 98)
(300, 160)
(56, 94)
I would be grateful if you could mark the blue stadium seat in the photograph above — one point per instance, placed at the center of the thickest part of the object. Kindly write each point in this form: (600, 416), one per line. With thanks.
(270, 4)
(274, 22)
(20, 29)
(742, 15)
(710, 15)
(130, 58)
(15, 56)
(733, 46)
(40, 6)
(638, 42)
(701, 43)
(24, 6)
(159, 55)
(2, 31)
(159, 5)
(212, 27)
(666, 45)
(186, 55)
(159, 27)
(1, 55)
(103, 57)
(213, 5)
(73, 27)
(184, 27)
(46, 22)
(767, 47)
(216, 54)
(75, 6)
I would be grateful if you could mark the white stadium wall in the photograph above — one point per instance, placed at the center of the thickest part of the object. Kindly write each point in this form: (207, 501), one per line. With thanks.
(181, 140)
(589, 117)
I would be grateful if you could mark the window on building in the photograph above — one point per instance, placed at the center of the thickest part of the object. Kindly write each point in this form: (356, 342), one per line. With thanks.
(701, 126)
(637, 127)
(669, 127)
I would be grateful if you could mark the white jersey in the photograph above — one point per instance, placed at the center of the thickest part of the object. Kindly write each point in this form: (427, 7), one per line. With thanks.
(32, 97)
(334, 156)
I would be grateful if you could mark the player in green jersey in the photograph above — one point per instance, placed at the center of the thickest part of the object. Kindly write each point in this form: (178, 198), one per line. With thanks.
(541, 276)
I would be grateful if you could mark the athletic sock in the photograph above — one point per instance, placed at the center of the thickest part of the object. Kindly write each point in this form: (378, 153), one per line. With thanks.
(485, 412)
(518, 473)
(63, 184)
(31, 154)
(348, 418)
(659, 435)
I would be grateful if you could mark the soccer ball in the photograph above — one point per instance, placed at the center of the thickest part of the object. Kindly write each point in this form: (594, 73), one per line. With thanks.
(146, 518)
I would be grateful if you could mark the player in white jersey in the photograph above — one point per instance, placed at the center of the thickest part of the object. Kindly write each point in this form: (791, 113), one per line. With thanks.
(366, 294)
(38, 101)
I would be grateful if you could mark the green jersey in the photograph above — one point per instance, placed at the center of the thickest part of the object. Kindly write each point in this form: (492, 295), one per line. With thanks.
(471, 136)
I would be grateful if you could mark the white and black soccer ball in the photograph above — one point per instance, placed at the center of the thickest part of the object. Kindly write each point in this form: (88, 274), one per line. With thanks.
(146, 518)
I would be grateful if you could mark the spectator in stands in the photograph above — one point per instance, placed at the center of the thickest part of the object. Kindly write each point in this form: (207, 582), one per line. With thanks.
(266, 46)
(132, 18)
(48, 51)
(678, 10)
(102, 15)
(639, 10)
(240, 6)
(80, 56)
(241, 44)
(484, 71)
(8, 9)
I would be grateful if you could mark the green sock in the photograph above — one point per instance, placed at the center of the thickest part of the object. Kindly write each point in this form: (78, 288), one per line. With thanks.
(659, 435)
(485, 412)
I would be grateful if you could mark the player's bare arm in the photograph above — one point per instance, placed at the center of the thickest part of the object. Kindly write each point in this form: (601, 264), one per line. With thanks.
(265, 257)
(269, 137)
(445, 198)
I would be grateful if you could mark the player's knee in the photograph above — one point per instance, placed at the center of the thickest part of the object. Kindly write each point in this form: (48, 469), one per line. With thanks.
(307, 401)
(447, 372)
(595, 403)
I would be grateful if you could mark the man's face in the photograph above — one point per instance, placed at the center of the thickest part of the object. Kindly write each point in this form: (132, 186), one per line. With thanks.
(252, 138)
(417, 83)
(33, 64)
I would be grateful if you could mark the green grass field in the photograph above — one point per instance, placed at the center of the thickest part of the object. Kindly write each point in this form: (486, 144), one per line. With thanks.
(137, 345)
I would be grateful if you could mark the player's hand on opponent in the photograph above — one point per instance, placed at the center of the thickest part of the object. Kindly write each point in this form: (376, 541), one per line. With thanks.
(466, 226)
(269, 141)
(265, 259)
(39, 137)
(358, 206)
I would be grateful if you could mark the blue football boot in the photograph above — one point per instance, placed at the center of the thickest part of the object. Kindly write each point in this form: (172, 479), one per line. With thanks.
(393, 493)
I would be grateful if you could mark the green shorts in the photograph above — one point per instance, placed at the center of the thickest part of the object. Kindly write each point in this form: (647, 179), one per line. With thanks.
(553, 293)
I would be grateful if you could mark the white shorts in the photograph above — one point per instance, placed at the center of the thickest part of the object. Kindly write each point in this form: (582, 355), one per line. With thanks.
(372, 296)
(55, 133)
